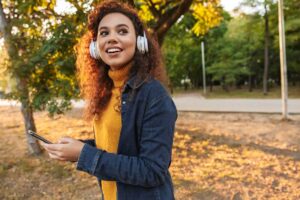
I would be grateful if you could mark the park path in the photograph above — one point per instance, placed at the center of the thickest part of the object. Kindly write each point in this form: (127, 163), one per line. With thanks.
(194, 103)
(197, 103)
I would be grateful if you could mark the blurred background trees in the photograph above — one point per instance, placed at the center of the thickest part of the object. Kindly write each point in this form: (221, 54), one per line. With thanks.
(242, 51)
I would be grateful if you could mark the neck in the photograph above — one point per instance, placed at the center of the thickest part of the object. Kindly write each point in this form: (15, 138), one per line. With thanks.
(120, 75)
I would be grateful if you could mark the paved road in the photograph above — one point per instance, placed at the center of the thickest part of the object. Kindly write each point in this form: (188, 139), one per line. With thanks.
(186, 103)
(199, 104)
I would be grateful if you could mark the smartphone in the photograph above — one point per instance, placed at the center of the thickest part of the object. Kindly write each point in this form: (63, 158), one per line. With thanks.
(33, 134)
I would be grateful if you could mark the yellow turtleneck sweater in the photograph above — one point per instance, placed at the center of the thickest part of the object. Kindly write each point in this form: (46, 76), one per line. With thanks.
(108, 127)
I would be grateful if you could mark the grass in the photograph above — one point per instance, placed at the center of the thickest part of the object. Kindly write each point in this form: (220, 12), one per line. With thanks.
(215, 156)
(218, 93)
(56, 170)
(25, 165)
(4, 167)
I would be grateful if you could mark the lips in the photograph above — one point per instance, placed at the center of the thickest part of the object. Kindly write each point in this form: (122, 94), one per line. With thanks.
(113, 50)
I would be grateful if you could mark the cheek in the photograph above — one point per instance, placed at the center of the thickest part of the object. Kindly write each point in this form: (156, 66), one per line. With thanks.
(101, 47)
(131, 45)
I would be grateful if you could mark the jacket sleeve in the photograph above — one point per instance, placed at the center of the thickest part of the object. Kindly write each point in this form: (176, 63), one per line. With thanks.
(90, 142)
(150, 168)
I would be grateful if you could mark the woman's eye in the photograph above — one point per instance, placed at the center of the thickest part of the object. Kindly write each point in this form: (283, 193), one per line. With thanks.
(123, 31)
(103, 33)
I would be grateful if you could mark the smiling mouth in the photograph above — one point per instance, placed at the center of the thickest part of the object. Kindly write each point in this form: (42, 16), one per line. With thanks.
(113, 50)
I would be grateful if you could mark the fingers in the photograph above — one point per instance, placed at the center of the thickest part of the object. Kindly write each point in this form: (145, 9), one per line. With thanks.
(65, 140)
(66, 149)
(55, 151)
(53, 147)
(54, 156)
(41, 143)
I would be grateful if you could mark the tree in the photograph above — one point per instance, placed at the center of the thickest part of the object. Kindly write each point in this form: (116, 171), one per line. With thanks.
(4, 78)
(161, 15)
(214, 41)
(40, 44)
(266, 7)
(179, 46)
(293, 39)
(235, 56)
(182, 52)
(292, 28)
(267, 43)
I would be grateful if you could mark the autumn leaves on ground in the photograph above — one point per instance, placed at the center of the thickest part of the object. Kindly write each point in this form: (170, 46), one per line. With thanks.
(215, 156)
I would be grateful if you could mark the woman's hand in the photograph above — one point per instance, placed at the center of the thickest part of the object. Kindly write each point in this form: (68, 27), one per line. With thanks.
(67, 149)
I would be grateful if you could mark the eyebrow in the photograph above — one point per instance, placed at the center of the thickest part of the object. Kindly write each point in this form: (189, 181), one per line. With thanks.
(119, 25)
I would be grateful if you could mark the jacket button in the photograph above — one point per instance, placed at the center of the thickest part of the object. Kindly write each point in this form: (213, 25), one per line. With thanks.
(124, 102)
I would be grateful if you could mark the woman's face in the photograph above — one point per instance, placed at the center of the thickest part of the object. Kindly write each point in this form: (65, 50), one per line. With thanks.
(116, 40)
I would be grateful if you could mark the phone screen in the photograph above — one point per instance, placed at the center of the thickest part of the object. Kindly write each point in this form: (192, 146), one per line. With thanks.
(33, 134)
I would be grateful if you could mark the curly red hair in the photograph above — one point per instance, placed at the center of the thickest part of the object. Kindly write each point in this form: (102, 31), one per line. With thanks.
(94, 82)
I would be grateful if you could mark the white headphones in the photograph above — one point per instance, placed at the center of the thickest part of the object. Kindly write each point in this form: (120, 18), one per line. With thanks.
(94, 51)
(141, 44)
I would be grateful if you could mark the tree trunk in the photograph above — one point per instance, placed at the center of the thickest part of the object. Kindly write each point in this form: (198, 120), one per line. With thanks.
(165, 21)
(26, 110)
(211, 84)
(250, 83)
(266, 64)
(33, 145)
(224, 84)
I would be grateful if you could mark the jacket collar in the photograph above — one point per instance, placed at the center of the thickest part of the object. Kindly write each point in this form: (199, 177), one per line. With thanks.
(135, 82)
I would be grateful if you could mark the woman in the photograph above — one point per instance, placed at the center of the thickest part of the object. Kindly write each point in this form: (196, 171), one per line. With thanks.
(120, 71)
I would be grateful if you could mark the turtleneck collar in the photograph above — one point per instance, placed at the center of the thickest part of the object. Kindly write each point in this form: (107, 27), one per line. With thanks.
(119, 76)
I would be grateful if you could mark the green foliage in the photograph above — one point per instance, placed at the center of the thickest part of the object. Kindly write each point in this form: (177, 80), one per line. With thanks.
(234, 51)
(206, 14)
(225, 52)
(182, 52)
(4, 62)
(44, 41)
(292, 27)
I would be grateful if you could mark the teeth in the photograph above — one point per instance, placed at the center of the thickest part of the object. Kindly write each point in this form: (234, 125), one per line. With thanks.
(113, 50)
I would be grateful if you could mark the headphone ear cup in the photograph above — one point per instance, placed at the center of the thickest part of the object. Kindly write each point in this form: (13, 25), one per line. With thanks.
(94, 52)
(146, 42)
(142, 44)
(139, 44)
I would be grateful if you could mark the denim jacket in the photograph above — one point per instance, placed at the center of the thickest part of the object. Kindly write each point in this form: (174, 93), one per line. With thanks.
(140, 167)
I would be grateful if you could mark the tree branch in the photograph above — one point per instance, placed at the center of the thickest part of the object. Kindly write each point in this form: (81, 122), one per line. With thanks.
(169, 18)
(154, 11)
(166, 5)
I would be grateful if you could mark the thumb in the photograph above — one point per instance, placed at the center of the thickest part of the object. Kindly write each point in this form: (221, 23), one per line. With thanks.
(65, 140)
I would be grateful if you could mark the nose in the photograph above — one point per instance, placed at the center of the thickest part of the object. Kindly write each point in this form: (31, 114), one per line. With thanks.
(112, 39)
